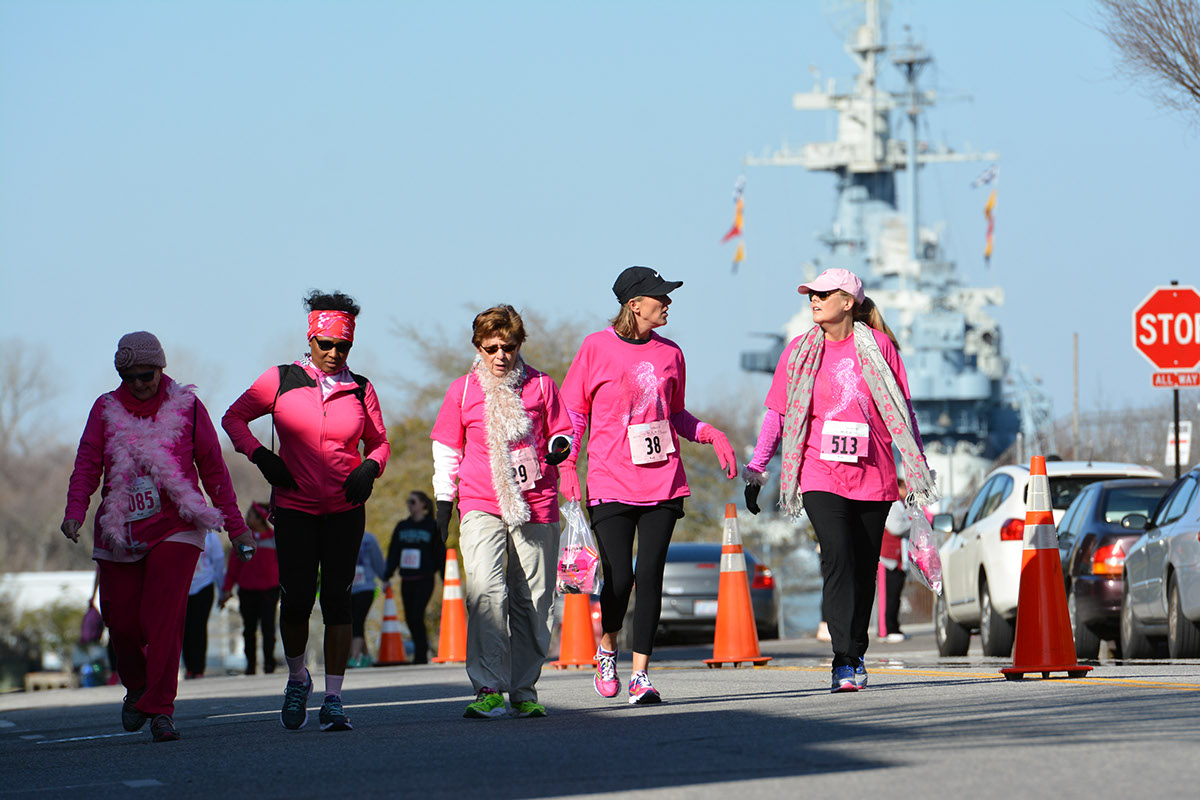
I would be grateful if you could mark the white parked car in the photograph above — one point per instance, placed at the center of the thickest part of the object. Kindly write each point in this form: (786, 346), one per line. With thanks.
(1161, 582)
(981, 559)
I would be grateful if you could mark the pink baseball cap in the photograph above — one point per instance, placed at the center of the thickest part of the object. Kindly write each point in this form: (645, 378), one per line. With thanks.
(832, 279)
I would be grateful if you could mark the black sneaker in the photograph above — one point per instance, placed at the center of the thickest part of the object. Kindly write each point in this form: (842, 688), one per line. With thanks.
(131, 718)
(332, 717)
(162, 728)
(294, 715)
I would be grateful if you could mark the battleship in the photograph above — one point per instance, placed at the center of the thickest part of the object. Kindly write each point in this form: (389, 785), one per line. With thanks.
(969, 407)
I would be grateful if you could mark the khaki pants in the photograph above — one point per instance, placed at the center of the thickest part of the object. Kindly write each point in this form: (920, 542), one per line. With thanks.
(510, 574)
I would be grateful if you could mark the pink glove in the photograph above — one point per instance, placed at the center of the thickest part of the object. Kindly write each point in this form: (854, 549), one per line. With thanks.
(568, 481)
(707, 434)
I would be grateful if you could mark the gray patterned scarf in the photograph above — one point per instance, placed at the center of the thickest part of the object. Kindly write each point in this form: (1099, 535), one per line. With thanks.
(889, 401)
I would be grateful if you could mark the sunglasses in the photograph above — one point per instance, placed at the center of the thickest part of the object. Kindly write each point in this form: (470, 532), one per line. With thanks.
(823, 295)
(492, 348)
(144, 377)
(328, 344)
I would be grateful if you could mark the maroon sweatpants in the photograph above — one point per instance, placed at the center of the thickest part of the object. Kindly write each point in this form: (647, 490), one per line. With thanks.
(143, 604)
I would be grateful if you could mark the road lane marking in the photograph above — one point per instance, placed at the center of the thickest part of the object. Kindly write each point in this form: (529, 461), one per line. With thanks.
(1091, 679)
(389, 704)
(83, 738)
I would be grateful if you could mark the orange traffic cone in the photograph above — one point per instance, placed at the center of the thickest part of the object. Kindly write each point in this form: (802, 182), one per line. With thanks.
(1044, 643)
(736, 639)
(452, 642)
(391, 641)
(577, 641)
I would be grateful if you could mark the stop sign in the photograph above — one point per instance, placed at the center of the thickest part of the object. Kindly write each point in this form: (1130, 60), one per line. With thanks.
(1166, 327)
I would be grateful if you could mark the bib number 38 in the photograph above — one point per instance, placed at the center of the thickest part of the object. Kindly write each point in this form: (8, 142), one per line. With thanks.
(650, 442)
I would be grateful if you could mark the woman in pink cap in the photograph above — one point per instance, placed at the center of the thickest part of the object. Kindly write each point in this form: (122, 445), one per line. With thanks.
(321, 411)
(839, 401)
(150, 440)
(627, 383)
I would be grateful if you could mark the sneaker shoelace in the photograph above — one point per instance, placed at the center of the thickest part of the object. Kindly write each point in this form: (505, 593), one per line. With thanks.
(294, 697)
(334, 706)
(640, 682)
(608, 667)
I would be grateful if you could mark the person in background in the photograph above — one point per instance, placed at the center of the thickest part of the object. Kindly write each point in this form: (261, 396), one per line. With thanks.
(321, 411)
(891, 555)
(499, 435)
(839, 402)
(152, 442)
(417, 551)
(367, 571)
(258, 589)
(210, 570)
(628, 383)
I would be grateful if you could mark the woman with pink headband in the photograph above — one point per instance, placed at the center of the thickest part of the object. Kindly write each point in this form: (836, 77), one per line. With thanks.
(839, 402)
(321, 411)
(150, 440)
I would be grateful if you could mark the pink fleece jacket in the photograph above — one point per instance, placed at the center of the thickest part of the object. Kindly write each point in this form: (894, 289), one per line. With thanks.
(615, 384)
(460, 425)
(319, 431)
(198, 452)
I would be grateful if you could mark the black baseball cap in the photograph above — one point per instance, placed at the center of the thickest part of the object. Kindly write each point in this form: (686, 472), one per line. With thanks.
(641, 282)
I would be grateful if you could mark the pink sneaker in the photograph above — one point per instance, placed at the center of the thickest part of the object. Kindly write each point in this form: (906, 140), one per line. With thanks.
(607, 682)
(640, 690)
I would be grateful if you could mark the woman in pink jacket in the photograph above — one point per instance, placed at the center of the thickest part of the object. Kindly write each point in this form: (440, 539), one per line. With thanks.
(258, 589)
(150, 440)
(321, 411)
(628, 383)
(499, 435)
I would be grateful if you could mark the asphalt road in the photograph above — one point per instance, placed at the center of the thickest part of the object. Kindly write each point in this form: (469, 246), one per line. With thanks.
(923, 728)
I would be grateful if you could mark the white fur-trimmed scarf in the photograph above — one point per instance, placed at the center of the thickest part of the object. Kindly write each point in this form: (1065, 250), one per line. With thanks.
(506, 423)
(889, 401)
(138, 446)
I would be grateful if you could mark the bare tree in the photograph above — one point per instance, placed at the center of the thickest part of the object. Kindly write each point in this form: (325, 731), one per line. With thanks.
(1158, 42)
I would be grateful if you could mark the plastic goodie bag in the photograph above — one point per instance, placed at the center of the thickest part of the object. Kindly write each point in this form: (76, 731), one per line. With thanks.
(578, 556)
(924, 564)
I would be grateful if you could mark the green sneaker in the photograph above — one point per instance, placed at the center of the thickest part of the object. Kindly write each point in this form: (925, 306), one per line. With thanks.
(487, 704)
(528, 708)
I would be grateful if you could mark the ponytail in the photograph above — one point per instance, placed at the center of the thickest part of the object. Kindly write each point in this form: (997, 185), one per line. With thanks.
(868, 313)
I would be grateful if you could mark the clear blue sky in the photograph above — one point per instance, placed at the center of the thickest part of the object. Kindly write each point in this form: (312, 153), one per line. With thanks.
(192, 168)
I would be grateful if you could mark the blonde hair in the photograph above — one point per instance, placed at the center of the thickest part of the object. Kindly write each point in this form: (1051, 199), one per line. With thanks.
(867, 312)
(625, 322)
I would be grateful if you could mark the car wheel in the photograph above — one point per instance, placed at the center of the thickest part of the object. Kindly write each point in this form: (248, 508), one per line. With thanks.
(1087, 644)
(952, 639)
(1183, 638)
(1134, 643)
(995, 632)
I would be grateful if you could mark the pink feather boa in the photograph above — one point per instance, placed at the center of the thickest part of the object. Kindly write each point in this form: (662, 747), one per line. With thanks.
(138, 446)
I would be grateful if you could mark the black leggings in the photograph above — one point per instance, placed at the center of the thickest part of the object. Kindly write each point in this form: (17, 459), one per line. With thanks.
(653, 526)
(258, 611)
(195, 630)
(850, 533)
(308, 542)
(360, 607)
(894, 583)
(415, 592)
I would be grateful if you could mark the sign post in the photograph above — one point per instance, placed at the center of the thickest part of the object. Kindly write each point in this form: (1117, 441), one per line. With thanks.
(1166, 330)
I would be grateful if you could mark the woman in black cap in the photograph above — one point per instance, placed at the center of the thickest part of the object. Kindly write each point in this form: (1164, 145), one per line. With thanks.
(627, 383)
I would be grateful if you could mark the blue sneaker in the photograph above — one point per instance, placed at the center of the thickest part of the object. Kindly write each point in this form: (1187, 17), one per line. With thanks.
(294, 715)
(860, 673)
(843, 679)
(332, 717)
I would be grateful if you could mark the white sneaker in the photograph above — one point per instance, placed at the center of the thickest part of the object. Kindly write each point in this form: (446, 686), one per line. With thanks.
(896, 638)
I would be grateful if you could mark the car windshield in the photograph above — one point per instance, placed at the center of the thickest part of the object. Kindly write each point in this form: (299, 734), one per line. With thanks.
(1119, 503)
(1065, 488)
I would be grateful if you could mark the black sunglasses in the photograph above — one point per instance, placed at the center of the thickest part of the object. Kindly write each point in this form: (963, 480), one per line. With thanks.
(823, 295)
(326, 344)
(492, 348)
(144, 377)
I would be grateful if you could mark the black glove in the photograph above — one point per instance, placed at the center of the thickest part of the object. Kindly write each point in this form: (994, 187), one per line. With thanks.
(360, 482)
(560, 448)
(444, 509)
(752, 490)
(273, 469)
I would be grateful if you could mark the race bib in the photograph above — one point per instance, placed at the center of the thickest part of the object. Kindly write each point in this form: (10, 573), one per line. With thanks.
(360, 575)
(650, 442)
(143, 499)
(527, 470)
(410, 558)
(844, 441)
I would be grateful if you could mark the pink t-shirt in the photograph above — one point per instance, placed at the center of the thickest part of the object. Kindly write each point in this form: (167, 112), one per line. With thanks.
(460, 425)
(616, 384)
(840, 394)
